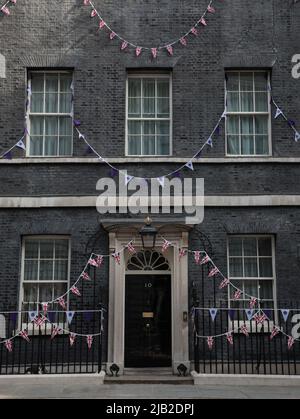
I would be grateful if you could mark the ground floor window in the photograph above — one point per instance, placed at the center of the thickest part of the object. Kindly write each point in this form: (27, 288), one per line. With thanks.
(251, 268)
(45, 270)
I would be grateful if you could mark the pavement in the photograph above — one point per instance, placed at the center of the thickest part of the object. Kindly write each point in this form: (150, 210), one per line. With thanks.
(35, 387)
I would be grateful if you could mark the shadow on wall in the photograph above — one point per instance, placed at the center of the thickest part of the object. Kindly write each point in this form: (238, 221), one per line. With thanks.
(2, 67)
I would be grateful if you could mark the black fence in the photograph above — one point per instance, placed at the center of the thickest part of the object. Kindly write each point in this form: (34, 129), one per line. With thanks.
(256, 353)
(49, 354)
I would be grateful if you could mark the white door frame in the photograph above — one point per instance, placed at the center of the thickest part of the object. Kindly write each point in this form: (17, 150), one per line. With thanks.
(179, 292)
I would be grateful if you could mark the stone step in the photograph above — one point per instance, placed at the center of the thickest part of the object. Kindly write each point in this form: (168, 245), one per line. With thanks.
(149, 379)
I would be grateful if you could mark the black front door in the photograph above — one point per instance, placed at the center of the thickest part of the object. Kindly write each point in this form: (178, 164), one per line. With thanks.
(148, 321)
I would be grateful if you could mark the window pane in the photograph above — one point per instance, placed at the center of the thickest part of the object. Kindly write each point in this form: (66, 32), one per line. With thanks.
(31, 249)
(262, 144)
(233, 125)
(65, 126)
(236, 267)
(232, 81)
(163, 127)
(266, 290)
(251, 288)
(246, 80)
(37, 82)
(149, 88)
(47, 249)
(261, 102)
(148, 145)
(134, 88)
(233, 102)
(251, 269)
(261, 81)
(265, 267)
(134, 108)
(250, 247)
(61, 270)
(51, 103)
(261, 124)
(45, 293)
(30, 293)
(247, 102)
(65, 82)
(37, 125)
(163, 88)
(149, 108)
(247, 125)
(59, 289)
(65, 146)
(36, 146)
(247, 144)
(235, 246)
(163, 145)
(163, 108)
(31, 270)
(265, 246)
(149, 127)
(51, 83)
(51, 146)
(65, 103)
(134, 145)
(233, 144)
(134, 127)
(46, 270)
(51, 126)
(61, 249)
(37, 103)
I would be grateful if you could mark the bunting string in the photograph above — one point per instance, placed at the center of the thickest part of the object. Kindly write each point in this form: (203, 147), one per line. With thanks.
(168, 47)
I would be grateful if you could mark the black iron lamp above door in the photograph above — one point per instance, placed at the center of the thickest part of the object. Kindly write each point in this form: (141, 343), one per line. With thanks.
(148, 234)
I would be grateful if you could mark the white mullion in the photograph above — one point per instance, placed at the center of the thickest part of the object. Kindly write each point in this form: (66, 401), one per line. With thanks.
(155, 123)
(142, 115)
(240, 125)
(44, 116)
(58, 109)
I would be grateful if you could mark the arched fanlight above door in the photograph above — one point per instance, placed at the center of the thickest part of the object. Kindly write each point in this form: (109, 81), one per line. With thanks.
(148, 260)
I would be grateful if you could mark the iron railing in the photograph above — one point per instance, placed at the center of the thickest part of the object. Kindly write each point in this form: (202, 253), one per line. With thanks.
(43, 355)
(255, 354)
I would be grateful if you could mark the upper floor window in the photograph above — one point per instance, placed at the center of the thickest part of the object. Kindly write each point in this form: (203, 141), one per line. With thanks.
(248, 131)
(46, 270)
(149, 115)
(251, 268)
(50, 121)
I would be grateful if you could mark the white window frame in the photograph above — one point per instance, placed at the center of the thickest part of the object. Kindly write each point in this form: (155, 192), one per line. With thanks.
(251, 325)
(269, 113)
(31, 328)
(170, 119)
(71, 114)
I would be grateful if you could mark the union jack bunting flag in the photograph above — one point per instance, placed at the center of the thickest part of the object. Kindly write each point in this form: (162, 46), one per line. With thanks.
(291, 342)
(229, 338)
(24, 335)
(94, 13)
(224, 283)
(117, 257)
(72, 338)
(138, 51)
(182, 253)
(213, 272)
(89, 341)
(244, 330)
(253, 302)
(170, 49)
(165, 246)
(237, 295)
(9, 345)
(131, 248)
(45, 308)
(203, 21)
(102, 24)
(86, 2)
(275, 332)
(260, 318)
(62, 303)
(5, 10)
(85, 276)
(194, 31)
(205, 260)
(124, 45)
(75, 291)
(96, 262)
(183, 41)
(154, 52)
(55, 331)
(40, 321)
(112, 35)
(197, 256)
(210, 342)
(211, 9)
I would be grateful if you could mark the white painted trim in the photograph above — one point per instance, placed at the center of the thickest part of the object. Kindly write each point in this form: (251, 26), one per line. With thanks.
(151, 160)
(90, 201)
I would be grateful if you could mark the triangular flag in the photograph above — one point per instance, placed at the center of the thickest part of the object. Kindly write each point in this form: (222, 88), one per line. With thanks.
(278, 113)
(210, 142)
(231, 314)
(268, 313)
(190, 165)
(285, 314)
(297, 136)
(128, 179)
(213, 313)
(70, 315)
(249, 313)
(203, 21)
(8, 155)
(80, 136)
(138, 51)
(112, 35)
(161, 181)
(154, 52)
(170, 49)
(224, 114)
(21, 145)
(32, 315)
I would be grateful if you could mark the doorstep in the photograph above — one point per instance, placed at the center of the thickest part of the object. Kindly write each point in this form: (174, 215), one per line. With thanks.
(98, 378)
(245, 380)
